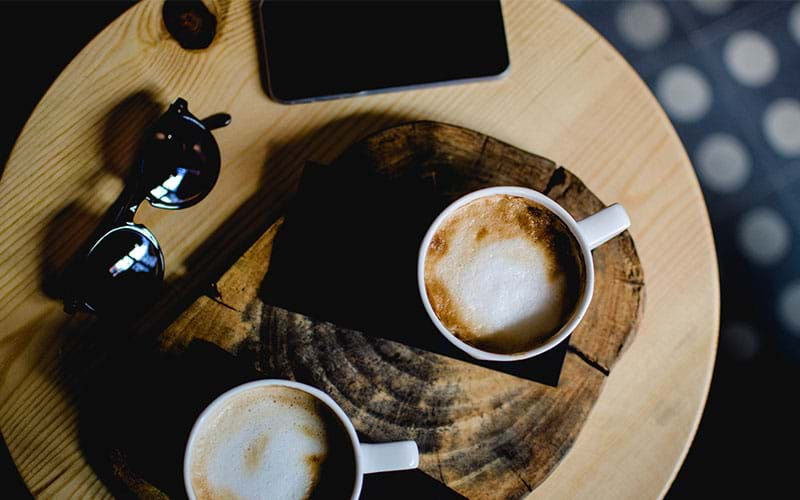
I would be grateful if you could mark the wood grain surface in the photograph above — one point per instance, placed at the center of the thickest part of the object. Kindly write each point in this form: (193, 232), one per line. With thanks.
(569, 97)
(481, 432)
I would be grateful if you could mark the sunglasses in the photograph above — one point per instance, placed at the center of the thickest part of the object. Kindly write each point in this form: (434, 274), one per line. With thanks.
(123, 269)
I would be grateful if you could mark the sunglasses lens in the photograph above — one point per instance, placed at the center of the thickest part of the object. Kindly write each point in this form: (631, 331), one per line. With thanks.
(123, 271)
(180, 163)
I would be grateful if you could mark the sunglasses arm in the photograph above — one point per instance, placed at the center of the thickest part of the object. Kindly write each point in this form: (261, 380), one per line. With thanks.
(216, 121)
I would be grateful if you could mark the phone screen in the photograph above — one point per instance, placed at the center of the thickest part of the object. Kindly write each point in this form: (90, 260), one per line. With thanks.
(319, 50)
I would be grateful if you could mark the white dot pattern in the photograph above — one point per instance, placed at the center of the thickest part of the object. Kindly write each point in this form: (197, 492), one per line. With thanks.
(740, 340)
(645, 25)
(723, 163)
(782, 126)
(789, 307)
(751, 58)
(712, 7)
(684, 92)
(794, 22)
(764, 236)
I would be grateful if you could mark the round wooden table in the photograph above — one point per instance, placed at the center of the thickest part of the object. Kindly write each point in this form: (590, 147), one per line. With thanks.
(569, 97)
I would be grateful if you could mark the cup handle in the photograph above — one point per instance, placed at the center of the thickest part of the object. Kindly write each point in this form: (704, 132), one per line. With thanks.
(385, 457)
(604, 225)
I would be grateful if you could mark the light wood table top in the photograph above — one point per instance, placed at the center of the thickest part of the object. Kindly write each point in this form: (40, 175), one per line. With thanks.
(569, 97)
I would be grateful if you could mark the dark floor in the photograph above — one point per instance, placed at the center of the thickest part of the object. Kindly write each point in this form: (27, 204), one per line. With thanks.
(747, 438)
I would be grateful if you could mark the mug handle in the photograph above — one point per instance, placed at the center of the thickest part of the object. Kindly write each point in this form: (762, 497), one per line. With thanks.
(385, 457)
(604, 225)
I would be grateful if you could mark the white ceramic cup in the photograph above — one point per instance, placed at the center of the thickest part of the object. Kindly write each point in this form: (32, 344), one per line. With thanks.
(369, 458)
(590, 233)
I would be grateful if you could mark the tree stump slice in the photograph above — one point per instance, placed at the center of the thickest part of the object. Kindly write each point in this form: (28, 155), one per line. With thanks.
(483, 433)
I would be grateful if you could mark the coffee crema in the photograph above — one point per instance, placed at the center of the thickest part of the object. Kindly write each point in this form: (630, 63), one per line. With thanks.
(272, 442)
(503, 273)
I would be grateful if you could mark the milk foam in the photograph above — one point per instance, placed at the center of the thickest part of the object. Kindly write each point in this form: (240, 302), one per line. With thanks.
(267, 442)
(494, 277)
(504, 288)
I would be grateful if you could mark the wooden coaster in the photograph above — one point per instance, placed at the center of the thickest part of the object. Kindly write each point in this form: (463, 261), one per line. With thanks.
(483, 433)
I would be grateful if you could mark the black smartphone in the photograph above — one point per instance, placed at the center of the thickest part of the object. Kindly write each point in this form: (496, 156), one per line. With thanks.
(316, 50)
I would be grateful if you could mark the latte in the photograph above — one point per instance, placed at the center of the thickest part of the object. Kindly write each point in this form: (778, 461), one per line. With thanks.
(503, 274)
(272, 442)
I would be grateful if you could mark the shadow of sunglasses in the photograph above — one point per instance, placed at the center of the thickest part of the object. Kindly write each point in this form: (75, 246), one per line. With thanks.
(122, 270)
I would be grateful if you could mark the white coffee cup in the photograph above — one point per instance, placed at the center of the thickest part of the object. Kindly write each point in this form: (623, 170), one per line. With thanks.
(589, 233)
(369, 458)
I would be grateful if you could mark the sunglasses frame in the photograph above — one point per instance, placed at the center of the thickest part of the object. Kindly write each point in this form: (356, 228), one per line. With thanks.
(120, 217)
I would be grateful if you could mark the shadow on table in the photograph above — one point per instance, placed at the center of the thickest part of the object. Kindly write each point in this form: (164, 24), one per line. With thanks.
(13, 485)
(137, 412)
(347, 254)
(135, 405)
(70, 229)
(73, 225)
